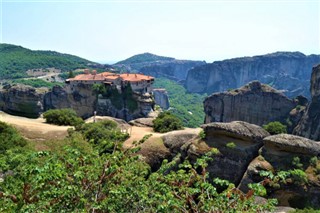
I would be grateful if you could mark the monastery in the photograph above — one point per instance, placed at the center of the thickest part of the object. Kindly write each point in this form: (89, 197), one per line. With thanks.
(139, 82)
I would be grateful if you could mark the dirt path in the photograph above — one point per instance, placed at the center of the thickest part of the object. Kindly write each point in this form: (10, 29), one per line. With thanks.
(35, 129)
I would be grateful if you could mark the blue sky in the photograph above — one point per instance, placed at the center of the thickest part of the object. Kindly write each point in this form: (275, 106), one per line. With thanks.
(109, 31)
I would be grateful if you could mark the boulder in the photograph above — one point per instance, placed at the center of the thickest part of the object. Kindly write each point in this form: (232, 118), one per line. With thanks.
(161, 98)
(238, 143)
(142, 122)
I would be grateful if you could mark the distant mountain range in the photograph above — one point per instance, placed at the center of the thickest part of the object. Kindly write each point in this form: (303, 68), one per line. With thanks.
(287, 71)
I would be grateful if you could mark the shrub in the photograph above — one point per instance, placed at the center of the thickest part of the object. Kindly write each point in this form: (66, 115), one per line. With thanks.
(231, 145)
(63, 117)
(104, 135)
(202, 134)
(297, 163)
(10, 138)
(298, 176)
(275, 128)
(166, 122)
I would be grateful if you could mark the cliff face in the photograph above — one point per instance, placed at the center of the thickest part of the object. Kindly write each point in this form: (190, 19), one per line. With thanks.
(161, 98)
(288, 71)
(30, 102)
(309, 125)
(255, 103)
(80, 97)
(22, 100)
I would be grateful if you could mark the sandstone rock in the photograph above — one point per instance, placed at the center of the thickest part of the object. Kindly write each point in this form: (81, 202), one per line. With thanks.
(142, 122)
(288, 71)
(309, 125)
(121, 123)
(255, 103)
(22, 100)
(161, 98)
(238, 143)
(285, 144)
(80, 98)
(175, 140)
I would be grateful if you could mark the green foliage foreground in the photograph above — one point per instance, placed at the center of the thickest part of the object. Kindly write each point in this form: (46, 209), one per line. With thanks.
(166, 122)
(62, 117)
(79, 179)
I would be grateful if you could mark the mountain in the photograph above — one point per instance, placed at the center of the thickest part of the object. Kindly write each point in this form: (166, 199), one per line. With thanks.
(158, 66)
(16, 60)
(287, 71)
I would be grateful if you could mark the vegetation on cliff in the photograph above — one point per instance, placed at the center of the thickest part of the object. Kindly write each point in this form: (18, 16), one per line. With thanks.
(16, 60)
(186, 106)
(79, 177)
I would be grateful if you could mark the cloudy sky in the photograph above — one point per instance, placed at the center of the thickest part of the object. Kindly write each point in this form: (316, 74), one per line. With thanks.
(109, 31)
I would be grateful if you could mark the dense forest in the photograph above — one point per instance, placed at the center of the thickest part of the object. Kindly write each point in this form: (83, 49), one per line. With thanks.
(16, 60)
(186, 106)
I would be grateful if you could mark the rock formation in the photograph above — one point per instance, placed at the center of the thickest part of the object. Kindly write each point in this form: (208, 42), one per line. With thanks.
(80, 98)
(238, 143)
(309, 125)
(30, 102)
(255, 103)
(161, 98)
(287, 71)
(22, 100)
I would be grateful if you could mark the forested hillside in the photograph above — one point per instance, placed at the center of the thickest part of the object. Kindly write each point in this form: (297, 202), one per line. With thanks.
(16, 60)
(187, 106)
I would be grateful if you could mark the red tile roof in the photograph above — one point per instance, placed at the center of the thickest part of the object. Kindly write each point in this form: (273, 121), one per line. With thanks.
(135, 77)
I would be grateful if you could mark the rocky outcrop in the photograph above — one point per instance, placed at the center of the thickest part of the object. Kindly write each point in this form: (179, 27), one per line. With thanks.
(309, 125)
(80, 98)
(287, 71)
(159, 66)
(126, 108)
(142, 122)
(238, 142)
(254, 103)
(22, 100)
(30, 102)
(161, 98)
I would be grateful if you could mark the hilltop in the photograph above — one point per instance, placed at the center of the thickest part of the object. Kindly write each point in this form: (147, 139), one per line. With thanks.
(144, 58)
(16, 60)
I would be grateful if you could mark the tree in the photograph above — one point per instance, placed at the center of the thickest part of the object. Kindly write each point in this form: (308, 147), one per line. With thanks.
(166, 122)
(275, 128)
(62, 117)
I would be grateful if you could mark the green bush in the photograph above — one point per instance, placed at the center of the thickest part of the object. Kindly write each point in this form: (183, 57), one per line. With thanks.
(37, 83)
(275, 128)
(103, 135)
(63, 117)
(231, 145)
(10, 138)
(298, 176)
(166, 122)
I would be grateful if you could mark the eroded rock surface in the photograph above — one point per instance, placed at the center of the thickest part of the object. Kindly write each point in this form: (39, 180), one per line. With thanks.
(254, 103)
(22, 100)
(309, 125)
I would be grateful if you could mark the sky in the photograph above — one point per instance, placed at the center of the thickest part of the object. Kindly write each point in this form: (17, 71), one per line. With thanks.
(109, 31)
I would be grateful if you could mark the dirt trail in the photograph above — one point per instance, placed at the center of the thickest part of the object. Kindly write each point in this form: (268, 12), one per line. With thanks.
(35, 129)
